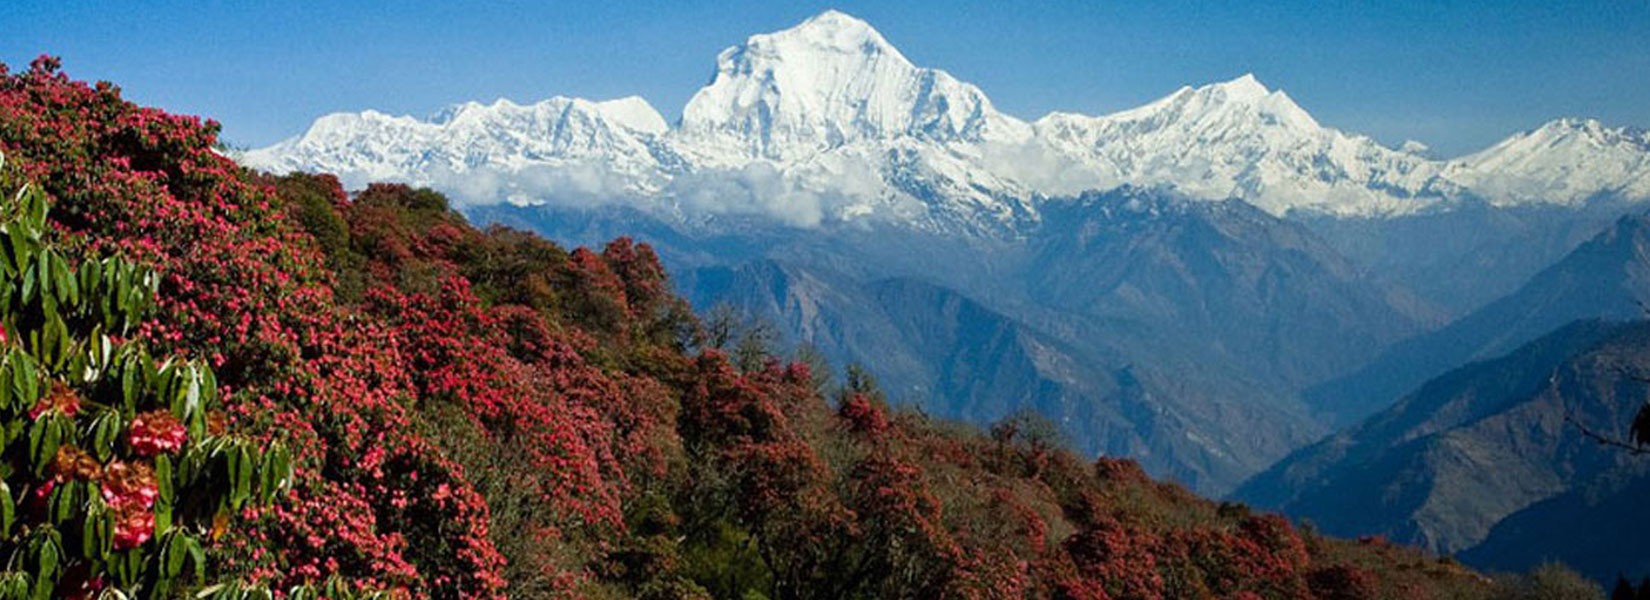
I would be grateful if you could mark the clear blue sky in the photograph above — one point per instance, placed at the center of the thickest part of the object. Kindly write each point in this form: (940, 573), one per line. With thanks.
(1456, 75)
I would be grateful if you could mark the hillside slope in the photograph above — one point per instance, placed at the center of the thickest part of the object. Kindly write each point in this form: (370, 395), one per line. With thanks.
(1483, 455)
(1606, 277)
(481, 413)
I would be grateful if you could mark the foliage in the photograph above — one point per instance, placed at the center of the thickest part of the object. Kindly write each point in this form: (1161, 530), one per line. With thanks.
(118, 468)
(1550, 581)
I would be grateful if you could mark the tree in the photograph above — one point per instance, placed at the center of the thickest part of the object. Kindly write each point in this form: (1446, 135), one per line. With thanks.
(1623, 589)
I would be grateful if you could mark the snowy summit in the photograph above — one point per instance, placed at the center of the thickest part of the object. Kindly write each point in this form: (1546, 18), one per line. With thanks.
(829, 122)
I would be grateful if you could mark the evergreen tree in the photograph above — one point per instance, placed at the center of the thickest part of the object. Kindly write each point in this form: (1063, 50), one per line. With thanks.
(1623, 590)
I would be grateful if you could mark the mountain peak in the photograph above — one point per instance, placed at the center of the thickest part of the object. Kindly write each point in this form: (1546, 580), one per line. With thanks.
(1244, 87)
(839, 29)
(830, 81)
(831, 32)
(1565, 161)
(1274, 106)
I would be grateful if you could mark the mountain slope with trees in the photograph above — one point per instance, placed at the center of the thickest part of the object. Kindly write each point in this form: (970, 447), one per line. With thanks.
(481, 413)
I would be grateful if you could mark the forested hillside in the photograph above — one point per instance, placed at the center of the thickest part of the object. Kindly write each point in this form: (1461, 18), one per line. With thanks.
(481, 413)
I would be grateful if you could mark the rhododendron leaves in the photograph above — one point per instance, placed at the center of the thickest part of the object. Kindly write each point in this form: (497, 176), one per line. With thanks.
(45, 434)
(25, 379)
(105, 432)
(174, 551)
(8, 510)
(45, 550)
(164, 494)
(99, 424)
(97, 532)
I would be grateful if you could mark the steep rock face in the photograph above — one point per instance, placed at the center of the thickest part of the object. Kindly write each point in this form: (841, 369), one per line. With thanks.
(1589, 527)
(1446, 465)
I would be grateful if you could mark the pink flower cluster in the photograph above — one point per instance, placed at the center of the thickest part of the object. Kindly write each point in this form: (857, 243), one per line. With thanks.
(130, 491)
(155, 433)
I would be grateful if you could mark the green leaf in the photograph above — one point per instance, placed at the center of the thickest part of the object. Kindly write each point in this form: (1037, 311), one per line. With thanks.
(105, 432)
(240, 475)
(174, 553)
(197, 555)
(192, 391)
(14, 585)
(8, 511)
(9, 400)
(165, 499)
(34, 207)
(131, 385)
(22, 250)
(163, 476)
(46, 556)
(62, 284)
(91, 532)
(24, 380)
(44, 437)
(127, 566)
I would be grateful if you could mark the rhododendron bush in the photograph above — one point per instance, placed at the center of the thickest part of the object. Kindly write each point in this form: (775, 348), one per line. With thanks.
(481, 412)
(119, 466)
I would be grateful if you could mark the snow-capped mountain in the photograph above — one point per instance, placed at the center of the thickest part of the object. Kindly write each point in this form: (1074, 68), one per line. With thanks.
(1239, 139)
(1566, 161)
(828, 122)
(829, 82)
(502, 151)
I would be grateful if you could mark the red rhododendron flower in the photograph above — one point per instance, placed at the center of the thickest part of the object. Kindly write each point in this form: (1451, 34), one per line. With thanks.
(133, 527)
(74, 463)
(129, 483)
(130, 491)
(155, 433)
(59, 398)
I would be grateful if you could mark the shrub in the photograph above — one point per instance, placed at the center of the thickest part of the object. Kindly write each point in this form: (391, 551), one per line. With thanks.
(119, 466)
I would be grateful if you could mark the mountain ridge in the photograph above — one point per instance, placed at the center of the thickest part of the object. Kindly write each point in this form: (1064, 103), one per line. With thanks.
(827, 122)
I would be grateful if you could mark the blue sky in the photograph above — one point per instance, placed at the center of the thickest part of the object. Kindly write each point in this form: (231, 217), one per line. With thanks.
(1456, 75)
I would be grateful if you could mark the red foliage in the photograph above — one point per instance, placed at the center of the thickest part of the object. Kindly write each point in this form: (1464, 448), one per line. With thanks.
(1343, 582)
(130, 491)
(1113, 561)
(241, 288)
(862, 416)
(1120, 470)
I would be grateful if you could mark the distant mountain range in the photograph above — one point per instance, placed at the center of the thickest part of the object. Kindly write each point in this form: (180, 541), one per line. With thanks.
(1481, 461)
(828, 123)
(1482, 458)
(1207, 283)
(1607, 277)
(1172, 330)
